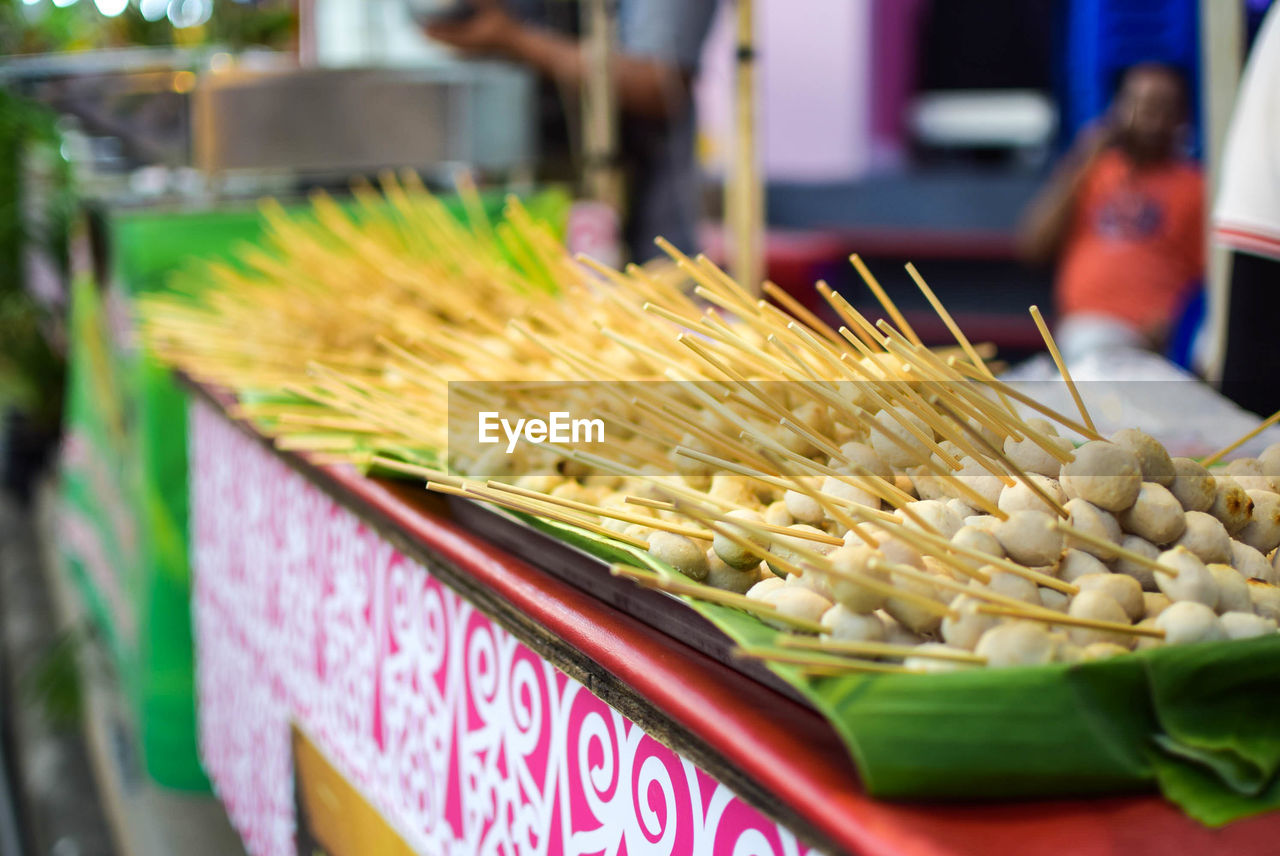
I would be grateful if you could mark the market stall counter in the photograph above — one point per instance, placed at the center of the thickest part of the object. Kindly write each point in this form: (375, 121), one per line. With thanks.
(372, 677)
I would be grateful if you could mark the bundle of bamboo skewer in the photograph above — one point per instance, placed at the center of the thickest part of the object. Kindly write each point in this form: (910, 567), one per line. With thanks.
(884, 505)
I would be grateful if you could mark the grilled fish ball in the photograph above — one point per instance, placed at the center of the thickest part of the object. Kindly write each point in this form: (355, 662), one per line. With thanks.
(1193, 582)
(849, 626)
(1093, 520)
(855, 559)
(1030, 457)
(1155, 462)
(978, 539)
(1246, 625)
(732, 553)
(1140, 572)
(1155, 515)
(1020, 497)
(965, 627)
(1233, 591)
(1016, 643)
(1105, 474)
(679, 552)
(1262, 532)
(1192, 485)
(1231, 505)
(1154, 603)
(1100, 606)
(1250, 563)
(797, 602)
(1121, 588)
(1206, 537)
(1029, 537)
(1189, 621)
(724, 576)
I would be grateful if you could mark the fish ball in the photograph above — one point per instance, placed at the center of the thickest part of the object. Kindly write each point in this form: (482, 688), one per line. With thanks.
(1105, 474)
(680, 553)
(965, 626)
(1192, 485)
(1092, 520)
(972, 538)
(854, 595)
(1020, 497)
(849, 626)
(1016, 643)
(1029, 537)
(1010, 585)
(1231, 505)
(1140, 572)
(1155, 462)
(1250, 563)
(937, 665)
(761, 589)
(851, 492)
(790, 549)
(1031, 458)
(1205, 536)
(1262, 532)
(1193, 581)
(1233, 591)
(1054, 599)
(862, 456)
(1246, 625)
(722, 575)
(984, 522)
(1154, 603)
(735, 489)
(975, 477)
(1155, 515)
(803, 508)
(934, 514)
(1077, 563)
(1189, 621)
(1121, 588)
(1266, 599)
(794, 601)
(1101, 651)
(1100, 606)
(1270, 460)
(916, 618)
(732, 552)
(896, 445)
(776, 514)
(1247, 472)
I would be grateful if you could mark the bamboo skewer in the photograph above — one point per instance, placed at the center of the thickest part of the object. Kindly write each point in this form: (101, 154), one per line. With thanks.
(1062, 366)
(1236, 444)
(1049, 617)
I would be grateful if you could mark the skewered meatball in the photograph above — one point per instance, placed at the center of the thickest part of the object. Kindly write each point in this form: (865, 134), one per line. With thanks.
(1250, 563)
(1154, 603)
(1105, 474)
(776, 514)
(936, 516)
(966, 626)
(1100, 606)
(1266, 599)
(1231, 505)
(795, 601)
(1155, 515)
(722, 575)
(1092, 520)
(1270, 460)
(1020, 497)
(1054, 599)
(1016, 643)
(1247, 472)
(1155, 462)
(730, 551)
(1121, 588)
(975, 477)
(788, 547)
(1189, 621)
(1140, 572)
(936, 665)
(849, 626)
(1010, 585)
(911, 451)
(1029, 537)
(1192, 485)
(915, 618)
(983, 522)
(851, 492)
(1262, 532)
(1246, 625)
(803, 508)
(1077, 563)
(1233, 591)
(1206, 537)
(1102, 651)
(1194, 581)
(863, 456)
(977, 539)
(1028, 455)
(764, 587)
(855, 596)
(680, 553)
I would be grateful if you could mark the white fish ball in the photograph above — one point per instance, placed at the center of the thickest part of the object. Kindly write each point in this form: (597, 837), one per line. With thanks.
(1192, 485)
(1010, 585)
(935, 515)
(1154, 603)
(679, 552)
(1193, 581)
(776, 514)
(1247, 472)
(1246, 625)
(851, 492)
(1121, 588)
(1269, 459)
(849, 626)
(1077, 563)
(761, 589)
(1101, 651)
(1054, 599)
(1233, 591)
(1092, 520)
(1032, 458)
(1029, 537)
(1205, 536)
(972, 538)
(1016, 643)
(803, 508)
(937, 665)
(895, 443)
(1105, 474)
(916, 618)
(1020, 497)
(798, 602)
(732, 552)
(722, 575)
(1250, 563)
(863, 457)
(1140, 572)
(966, 625)
(1189, 621)
(1155, 515)
(1231, 505)
(853, 594)
(1262, 532)
(1099, 606)
(1155, 462)
(1266, 599)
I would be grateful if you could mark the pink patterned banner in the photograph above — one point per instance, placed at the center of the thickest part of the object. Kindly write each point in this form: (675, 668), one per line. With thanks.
(466, 740)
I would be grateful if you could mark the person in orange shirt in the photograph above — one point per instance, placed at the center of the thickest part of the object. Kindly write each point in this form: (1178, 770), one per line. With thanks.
(1123, 216)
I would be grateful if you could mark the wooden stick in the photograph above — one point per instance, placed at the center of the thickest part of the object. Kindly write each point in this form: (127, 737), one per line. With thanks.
(1050, 617)
(1122, 552)
(1062, 366)
(1023, 398)
(832, 664)
(674, 585)
(883, 297)
(876, 649)
(1231, 447)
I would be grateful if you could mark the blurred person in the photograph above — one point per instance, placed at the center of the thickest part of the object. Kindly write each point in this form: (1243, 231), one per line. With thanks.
(1123, 217)
(1246, 220)
(654, 64)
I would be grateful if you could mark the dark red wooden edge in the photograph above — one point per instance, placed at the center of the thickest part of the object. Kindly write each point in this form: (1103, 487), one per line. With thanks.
(777, 755)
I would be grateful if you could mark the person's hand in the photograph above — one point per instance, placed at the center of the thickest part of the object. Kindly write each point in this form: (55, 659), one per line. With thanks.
(486, 31)
(1095, 138)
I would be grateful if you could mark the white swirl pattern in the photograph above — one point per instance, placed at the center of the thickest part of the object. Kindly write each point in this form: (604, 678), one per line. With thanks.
(465, 740)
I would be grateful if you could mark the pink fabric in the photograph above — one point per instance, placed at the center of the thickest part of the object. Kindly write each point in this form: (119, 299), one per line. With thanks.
(465, 739)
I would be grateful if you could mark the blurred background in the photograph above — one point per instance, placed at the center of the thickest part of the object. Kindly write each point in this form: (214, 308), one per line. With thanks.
(137, 135)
